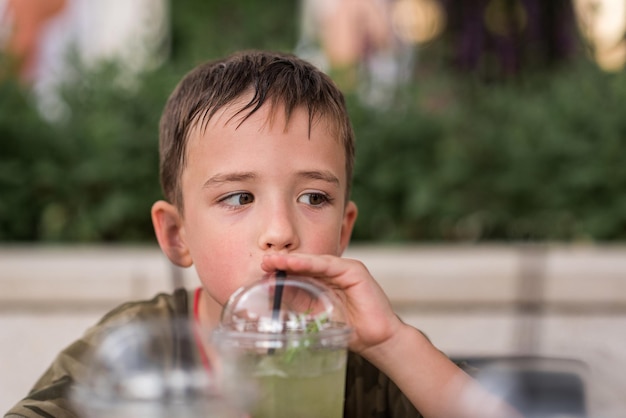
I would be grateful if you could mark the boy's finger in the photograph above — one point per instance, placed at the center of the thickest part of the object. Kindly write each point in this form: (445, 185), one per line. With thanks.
(302, 263)
(342, 271)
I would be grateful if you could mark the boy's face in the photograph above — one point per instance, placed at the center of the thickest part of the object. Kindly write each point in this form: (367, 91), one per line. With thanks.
(260, 187)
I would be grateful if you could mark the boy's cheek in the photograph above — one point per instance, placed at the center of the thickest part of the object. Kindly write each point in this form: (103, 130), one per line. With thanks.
(219, 289)
(222, 274)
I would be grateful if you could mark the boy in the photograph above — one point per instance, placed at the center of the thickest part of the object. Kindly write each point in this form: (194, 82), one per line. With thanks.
(256, 163)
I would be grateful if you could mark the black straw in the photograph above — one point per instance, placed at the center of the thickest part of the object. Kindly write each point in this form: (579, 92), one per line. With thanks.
(278, 296)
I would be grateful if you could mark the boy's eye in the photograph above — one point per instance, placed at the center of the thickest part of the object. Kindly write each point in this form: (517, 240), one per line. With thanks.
(238, 199)
(314, 199)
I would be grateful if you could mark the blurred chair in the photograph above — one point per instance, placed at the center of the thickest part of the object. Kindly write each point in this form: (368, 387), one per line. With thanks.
(539, 387)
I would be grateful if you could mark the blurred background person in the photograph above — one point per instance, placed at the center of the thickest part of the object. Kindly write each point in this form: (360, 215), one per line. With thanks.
(356, 42)
(45, 40)
(25, 24)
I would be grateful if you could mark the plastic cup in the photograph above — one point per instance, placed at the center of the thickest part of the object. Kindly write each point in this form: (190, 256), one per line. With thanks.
(151, 368)
(290, 350)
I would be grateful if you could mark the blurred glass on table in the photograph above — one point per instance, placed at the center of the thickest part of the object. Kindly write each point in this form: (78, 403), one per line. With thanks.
(159, 368)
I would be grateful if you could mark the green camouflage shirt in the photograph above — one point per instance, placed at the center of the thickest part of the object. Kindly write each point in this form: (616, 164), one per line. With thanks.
(369, 393)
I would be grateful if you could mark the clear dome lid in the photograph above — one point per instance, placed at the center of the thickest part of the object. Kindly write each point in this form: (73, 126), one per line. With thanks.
(280, 309)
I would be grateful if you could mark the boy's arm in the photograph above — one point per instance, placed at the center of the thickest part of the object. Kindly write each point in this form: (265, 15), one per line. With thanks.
(431, 381)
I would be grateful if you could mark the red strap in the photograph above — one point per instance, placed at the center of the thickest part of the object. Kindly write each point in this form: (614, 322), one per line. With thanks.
(196, 317)
(196, 305)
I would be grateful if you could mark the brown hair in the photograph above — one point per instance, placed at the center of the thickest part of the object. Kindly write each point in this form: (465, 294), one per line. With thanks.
(277, 78)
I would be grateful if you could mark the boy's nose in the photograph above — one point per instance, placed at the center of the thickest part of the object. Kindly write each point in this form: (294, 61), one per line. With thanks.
(278, 231)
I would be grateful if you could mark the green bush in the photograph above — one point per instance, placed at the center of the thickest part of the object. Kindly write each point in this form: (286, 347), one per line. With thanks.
(532, 160)
(27, 151)
(537, 158)
(90, 177)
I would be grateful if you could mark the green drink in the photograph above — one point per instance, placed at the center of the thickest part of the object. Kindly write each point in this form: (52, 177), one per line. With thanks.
(294, 360)
(307, 384)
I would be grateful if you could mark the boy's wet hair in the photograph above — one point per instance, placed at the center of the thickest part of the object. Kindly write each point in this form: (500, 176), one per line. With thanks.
(271, 78)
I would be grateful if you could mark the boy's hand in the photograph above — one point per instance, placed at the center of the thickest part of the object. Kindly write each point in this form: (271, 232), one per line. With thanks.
(369, 310)
(435, 385)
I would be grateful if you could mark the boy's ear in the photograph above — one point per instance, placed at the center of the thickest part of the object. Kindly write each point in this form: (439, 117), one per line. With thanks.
(168, 227)
(349, 217)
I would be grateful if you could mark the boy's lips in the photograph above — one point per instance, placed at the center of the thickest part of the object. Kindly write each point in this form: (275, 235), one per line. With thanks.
(255, 277)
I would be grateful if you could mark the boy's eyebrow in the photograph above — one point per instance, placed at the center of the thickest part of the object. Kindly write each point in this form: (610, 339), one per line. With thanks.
(219, 178)
(323, 175)
(229, 177)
